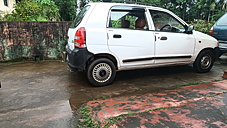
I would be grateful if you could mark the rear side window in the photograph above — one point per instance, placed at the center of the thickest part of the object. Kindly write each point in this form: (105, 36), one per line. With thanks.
(222, 20)
(79, 17)
(128, 17)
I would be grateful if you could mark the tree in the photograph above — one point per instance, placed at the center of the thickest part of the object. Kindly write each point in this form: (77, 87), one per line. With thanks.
(67, 9)
(50, 10)
(34, 10)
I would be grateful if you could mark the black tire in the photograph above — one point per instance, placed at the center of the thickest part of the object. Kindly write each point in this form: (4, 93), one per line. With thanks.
(101, 72)
(204, 61)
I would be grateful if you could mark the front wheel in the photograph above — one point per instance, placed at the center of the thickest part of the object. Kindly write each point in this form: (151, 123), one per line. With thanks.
(101, 72)
(204, 61)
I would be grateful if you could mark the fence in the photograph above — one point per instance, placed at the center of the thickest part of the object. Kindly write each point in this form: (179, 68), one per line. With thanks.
(45, 40)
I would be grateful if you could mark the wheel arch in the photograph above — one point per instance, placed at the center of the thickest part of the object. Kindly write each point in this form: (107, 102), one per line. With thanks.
(215, 51)
(203, 62)
(103, 55)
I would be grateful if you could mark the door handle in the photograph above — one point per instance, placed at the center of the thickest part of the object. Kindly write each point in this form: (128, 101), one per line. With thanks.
(163, 38)
(116, 36)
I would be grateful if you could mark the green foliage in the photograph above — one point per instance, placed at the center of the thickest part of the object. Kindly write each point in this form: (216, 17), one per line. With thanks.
(113, 120)
(33, 10)
(202, 26)
(50, 10)
(25, 11)
(161, 108)
(67, 9)
(208, 10)
(86, 121)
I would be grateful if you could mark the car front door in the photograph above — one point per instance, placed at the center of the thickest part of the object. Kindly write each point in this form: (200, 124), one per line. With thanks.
(129, 38)
(172, 44)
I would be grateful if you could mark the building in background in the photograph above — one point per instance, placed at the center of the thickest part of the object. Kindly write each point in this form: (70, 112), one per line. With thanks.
(6, 6)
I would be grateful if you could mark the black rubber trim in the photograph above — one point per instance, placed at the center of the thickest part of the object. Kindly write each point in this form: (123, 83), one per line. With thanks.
(155, 58)
(173, 57)
(141, 59)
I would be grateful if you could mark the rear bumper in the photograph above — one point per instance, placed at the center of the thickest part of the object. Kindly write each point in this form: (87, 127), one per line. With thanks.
(77, 58)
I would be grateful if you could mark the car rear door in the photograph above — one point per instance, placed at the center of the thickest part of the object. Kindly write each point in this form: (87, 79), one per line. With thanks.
(132, 46)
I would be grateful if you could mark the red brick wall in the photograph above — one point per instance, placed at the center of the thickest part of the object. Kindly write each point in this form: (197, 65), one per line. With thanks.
(44, 40)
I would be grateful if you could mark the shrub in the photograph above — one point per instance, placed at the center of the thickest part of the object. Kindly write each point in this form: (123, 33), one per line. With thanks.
(30, 10)
(202, 26)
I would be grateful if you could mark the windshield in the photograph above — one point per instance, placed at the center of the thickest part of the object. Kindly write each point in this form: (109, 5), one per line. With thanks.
(222, 20)
(79, 17)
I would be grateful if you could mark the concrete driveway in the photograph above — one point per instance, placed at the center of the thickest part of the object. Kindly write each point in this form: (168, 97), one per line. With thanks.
(47, 94)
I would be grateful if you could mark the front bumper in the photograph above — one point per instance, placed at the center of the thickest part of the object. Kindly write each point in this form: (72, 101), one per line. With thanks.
(77, 58)
(222, 46)
(217, 52)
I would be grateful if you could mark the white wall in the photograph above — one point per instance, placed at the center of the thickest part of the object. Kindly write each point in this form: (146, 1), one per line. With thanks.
(6, 9)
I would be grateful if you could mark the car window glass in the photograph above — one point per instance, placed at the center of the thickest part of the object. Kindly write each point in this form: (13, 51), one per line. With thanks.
(222, 20)
(128, 19)
(165, 22)
(79, 17)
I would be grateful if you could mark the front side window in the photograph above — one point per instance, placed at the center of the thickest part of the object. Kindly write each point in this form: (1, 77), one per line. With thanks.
(79, 17)
(165, 22)
(222, 20)
(6, 2)
(129, 18)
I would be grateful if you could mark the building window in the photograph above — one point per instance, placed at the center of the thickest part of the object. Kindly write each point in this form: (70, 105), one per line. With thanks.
(6, 2)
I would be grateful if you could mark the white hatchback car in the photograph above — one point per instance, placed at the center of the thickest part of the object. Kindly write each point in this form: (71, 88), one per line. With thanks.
(109, 37)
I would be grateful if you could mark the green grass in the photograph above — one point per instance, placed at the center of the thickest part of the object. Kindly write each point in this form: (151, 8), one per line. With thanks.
(163, 108)
(104, 97)
(113, 120)
(86, 121)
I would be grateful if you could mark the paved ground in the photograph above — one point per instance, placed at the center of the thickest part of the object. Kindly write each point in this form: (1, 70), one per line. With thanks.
(46, 94)
(197, 106)
(34, 95)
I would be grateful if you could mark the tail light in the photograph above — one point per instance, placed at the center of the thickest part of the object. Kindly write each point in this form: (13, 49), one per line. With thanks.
(80, 38)
(211, 31)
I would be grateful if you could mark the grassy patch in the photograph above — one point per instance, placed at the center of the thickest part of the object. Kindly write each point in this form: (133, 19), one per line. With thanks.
(163, 108)
(216, 94)
(104, 97)
(86, 119)
(113, 120)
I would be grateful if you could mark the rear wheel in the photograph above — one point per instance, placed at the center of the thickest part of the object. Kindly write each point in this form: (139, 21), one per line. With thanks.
(101, 72)
(204, 61)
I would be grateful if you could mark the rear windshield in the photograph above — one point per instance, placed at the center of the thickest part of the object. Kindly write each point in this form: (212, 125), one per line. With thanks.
(222, 20)
(79, 17)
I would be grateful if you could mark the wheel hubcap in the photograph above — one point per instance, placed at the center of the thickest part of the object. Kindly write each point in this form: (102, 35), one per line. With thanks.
(102, 72)
(205, 62)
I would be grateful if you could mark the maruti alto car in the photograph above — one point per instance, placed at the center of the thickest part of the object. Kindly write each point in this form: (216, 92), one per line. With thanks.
(109, 37)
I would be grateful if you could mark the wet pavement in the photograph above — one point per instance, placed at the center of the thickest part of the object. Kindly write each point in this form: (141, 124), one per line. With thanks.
(34, 95)
(203, 105)
(46, 94)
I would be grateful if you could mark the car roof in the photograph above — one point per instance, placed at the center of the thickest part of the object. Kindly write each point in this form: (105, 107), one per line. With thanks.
(136, 5)
(124, 4)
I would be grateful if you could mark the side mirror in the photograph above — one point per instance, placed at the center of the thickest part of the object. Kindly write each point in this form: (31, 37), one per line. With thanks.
(190, 29)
